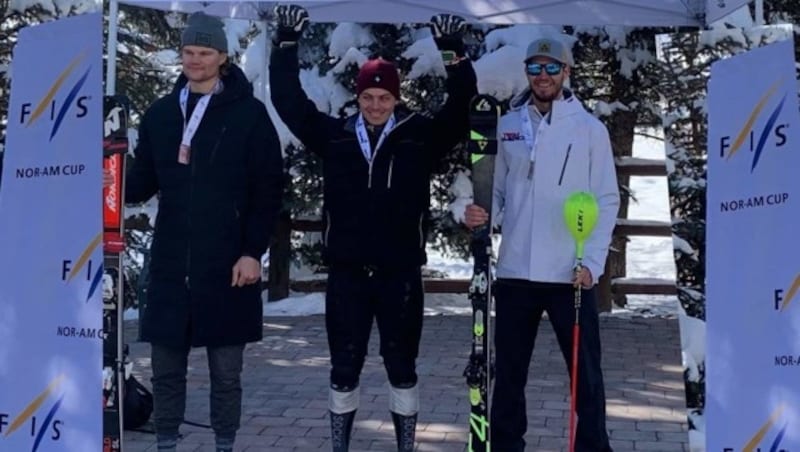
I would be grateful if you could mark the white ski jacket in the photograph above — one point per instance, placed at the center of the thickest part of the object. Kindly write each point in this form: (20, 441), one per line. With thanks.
(572, 151)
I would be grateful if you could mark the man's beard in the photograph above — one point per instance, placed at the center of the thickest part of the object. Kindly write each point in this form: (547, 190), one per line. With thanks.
(549, 98)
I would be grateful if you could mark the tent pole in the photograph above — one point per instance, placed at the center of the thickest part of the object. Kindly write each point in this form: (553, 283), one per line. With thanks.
(111, 64)
(759, 12)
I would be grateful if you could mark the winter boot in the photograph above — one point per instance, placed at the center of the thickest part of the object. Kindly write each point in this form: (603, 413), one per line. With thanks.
(405, 428)
(341, 427)
(342, 408)
(404, 405)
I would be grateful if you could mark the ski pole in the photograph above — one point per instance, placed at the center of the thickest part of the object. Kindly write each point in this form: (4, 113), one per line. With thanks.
(580, 216)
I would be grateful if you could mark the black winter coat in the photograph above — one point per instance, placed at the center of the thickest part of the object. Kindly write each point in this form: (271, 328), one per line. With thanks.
(374, 216)
(221, 206)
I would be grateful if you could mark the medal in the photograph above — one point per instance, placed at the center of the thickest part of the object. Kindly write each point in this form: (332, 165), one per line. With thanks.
(183, 154)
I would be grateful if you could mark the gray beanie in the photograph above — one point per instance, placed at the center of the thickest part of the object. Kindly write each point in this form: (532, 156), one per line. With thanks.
(204, 31)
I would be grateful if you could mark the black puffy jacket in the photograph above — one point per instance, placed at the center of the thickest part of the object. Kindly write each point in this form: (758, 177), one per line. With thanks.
(221, 206)
(374, 216)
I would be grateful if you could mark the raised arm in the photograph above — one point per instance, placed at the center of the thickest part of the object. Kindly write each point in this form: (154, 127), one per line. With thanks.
(292, 104)
(264, 185)
(451, 123)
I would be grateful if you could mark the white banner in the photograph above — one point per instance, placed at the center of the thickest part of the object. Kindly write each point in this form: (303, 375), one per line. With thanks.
(753, 270)
(51, 241)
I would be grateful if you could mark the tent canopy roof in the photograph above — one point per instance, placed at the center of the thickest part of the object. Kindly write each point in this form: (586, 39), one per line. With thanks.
(555, 12)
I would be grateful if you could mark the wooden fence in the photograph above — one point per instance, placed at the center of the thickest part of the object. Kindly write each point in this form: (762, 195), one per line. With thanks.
(279, 282)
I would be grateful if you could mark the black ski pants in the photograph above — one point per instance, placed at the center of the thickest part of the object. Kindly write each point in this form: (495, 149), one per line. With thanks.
(519, 307)
(357, 295)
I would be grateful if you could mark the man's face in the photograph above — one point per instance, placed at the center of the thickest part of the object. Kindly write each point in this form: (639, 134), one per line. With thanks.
(376, 104)
(546, 77)
(201, 63)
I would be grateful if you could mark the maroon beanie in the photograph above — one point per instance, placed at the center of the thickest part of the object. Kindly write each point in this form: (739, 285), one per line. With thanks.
(378, 73)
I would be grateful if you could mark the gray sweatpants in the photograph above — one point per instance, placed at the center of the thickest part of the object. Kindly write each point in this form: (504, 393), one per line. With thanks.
(169, 392)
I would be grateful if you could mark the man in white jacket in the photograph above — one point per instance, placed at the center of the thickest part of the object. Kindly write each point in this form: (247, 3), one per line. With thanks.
(549, 147)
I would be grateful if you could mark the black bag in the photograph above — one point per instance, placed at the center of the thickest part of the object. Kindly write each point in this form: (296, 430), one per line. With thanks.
(137, 404)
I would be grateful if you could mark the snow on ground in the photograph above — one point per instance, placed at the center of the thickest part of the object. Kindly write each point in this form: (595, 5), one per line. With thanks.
(650, 257)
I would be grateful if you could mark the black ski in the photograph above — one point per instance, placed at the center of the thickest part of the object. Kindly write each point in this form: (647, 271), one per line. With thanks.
(115, 147)
(484, 115)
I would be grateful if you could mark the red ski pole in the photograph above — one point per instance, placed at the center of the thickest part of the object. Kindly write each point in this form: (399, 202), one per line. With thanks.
(580, 215)
(573, 393)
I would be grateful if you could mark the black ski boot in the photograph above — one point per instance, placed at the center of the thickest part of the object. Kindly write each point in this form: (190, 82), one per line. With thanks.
(341, 427)
(405, 428)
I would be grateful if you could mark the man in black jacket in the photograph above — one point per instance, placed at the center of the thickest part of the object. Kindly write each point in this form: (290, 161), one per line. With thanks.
(377, 167)
(213, 156)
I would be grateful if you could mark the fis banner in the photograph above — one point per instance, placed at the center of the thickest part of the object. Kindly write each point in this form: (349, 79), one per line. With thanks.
(51, 241)
(753, 269)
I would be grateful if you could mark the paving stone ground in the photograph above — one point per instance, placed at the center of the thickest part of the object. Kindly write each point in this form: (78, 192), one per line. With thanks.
(286, 387)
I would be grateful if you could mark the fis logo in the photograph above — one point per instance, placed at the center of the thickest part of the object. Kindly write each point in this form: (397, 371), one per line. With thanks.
(784, 298)
(57, 107)
(37, 427)
(70, 269)
(755, 138)
(766, 438)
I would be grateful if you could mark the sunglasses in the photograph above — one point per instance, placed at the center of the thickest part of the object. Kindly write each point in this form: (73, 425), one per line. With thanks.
(535, 69)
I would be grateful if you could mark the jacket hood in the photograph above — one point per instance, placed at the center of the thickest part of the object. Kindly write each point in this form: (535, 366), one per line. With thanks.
(235, 86)
(566, 106)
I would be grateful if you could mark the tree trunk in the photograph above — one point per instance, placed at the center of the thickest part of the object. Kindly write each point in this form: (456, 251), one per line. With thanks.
(621, 130)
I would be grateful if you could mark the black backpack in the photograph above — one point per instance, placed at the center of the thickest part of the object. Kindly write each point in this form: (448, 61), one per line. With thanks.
(137, 404)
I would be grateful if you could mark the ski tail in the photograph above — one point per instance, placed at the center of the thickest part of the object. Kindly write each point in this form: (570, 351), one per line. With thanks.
(115, 148)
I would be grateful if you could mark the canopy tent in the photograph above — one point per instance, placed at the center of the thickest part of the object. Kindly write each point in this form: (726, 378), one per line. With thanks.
(643, 13)
(572, 12)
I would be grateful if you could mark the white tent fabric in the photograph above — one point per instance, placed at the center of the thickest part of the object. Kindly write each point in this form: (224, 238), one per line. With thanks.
(642, 13)
(558, 12)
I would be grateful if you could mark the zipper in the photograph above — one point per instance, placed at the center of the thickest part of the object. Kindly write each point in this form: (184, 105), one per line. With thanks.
(369, 182)
(216, 145)
(327, 227)
(389, 179)
(374, 154)
(189, 224)
(421, 237)
(564, 166)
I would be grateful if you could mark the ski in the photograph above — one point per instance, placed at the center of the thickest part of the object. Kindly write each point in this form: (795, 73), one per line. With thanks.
(482, 147)
(115, 147)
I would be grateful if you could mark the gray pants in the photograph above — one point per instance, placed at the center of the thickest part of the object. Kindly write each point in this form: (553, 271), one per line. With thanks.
(169, 392)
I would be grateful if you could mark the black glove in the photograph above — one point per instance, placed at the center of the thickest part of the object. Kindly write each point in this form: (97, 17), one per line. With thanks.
(291, 21)
(448, 32)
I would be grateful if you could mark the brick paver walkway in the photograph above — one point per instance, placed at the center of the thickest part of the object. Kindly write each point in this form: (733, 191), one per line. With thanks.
(286, 387)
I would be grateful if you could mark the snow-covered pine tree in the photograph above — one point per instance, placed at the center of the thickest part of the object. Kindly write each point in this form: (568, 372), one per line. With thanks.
(614, 77)
(146, 55)
(785, 12)
(330, 59)
(303, 181)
